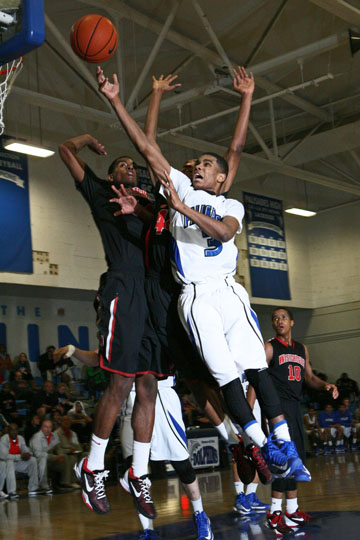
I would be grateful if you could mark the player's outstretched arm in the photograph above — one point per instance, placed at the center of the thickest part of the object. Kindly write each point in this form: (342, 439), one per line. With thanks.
(244, 84)
(152, 154)
(315, 382)
(69, 153)
(223, 230)
(159, 87)
(90, 358)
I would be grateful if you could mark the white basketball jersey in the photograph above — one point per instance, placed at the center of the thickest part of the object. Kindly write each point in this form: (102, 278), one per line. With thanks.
(196, 257)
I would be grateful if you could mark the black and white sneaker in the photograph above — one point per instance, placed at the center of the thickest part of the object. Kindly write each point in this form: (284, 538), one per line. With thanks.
(93, 487)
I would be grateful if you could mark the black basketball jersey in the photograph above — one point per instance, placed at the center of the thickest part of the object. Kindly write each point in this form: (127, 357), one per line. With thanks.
(158, 238)
(287, 368)
(122, 236)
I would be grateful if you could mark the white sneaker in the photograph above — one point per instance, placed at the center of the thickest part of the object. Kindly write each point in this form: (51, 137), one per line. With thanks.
(3, 495)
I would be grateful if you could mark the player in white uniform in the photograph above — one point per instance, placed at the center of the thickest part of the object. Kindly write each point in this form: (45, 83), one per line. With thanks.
(215, 309)
(168, 443)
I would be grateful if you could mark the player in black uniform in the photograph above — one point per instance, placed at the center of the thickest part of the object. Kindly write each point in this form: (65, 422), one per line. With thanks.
(121, 325)
(289, 367)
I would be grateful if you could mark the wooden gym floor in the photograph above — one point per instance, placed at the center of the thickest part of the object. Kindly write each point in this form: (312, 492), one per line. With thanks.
(333, 497)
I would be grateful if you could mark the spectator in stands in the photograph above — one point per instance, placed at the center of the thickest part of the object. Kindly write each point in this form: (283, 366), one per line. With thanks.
(21, 387)
(44, 445)
(56, 418)
(345, 420)
(32, 427)
(330, 428)
(46, 397)
(8, 403)
(80, 421)
(21, 363)
(71, 388)
(313, 430)
(46, 363)
(5, 364)
(348, 388)
(69, 444)
(63, 396)
(17, 457)
(41, 413)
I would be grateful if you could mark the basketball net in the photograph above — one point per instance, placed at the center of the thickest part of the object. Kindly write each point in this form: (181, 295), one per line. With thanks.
(8, 74)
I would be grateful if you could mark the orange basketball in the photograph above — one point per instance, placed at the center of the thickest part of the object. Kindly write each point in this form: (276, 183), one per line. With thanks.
(94, 38)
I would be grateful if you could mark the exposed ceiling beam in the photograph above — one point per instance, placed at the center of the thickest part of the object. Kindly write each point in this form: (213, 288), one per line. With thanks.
(123, 10)
(257, 166)
(341, 9)
(152, 55)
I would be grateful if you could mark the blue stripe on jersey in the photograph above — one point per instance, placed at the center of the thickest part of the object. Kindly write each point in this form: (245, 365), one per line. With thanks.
(178, 428)
(175, 255)
(254, 316)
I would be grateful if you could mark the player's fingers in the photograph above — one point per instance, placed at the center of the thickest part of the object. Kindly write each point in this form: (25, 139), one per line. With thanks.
(115, 79)
(118, 213)
(118, 193)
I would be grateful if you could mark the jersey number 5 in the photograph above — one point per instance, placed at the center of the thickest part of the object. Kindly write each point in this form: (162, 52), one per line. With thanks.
(215, 246)
(294, 373)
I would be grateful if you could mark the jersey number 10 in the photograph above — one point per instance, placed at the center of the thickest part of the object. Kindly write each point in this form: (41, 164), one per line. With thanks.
(294, 373)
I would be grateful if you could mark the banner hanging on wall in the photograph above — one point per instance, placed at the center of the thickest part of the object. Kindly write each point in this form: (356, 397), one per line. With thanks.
(15, 236)
(266, 247)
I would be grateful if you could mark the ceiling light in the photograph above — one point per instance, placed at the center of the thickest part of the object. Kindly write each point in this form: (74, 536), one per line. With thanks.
(300, 212)
(16, 145)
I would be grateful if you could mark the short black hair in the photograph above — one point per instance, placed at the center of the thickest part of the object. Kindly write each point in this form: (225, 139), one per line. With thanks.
(114, 163)
(285, 309)
(222, 163)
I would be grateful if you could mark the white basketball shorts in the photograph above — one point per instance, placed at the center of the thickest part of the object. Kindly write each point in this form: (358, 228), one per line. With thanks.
(218, 318)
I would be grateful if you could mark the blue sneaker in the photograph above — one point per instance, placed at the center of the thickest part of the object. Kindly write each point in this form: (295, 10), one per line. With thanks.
(242, 504)
(298, 471)
(327, 451)
(149, 534)
(255, 503)
(277, 461)
(203, 526)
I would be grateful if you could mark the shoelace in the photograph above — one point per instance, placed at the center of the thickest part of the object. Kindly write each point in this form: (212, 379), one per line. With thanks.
(145, 489)
(99, 483)
(289, 448)
(260, 462)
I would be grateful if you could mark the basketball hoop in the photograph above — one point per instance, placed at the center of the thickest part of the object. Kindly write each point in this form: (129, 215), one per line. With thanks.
(8, 73)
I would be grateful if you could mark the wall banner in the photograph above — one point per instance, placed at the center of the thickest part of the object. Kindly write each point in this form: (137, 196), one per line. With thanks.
(15, 236)
(266, 247)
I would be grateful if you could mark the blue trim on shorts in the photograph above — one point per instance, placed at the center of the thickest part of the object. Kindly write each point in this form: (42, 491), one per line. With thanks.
(178, 428)
(254, 316)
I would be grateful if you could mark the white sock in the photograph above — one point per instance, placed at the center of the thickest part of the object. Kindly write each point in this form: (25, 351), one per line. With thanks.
(275, 505)
(256, 434)
(146, 523)
(291, 505)
(96, 455)
(221, 429)
(338, 443)
(239, 487)
(281, 431)
(197, 505)
(140, 461)
(251, 488)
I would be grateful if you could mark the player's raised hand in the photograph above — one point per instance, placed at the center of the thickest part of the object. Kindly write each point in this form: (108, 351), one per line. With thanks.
(97, 147)
(242, 82)
(59, 354)
(165, 84)
(170, 192)
(126, 202)
(109, 89)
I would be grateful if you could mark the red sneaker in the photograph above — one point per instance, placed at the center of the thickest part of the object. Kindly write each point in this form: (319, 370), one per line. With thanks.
(276, 523)
(264, 473)
(93, 487)
(245, 465)
(140, 490)
(299, 518)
